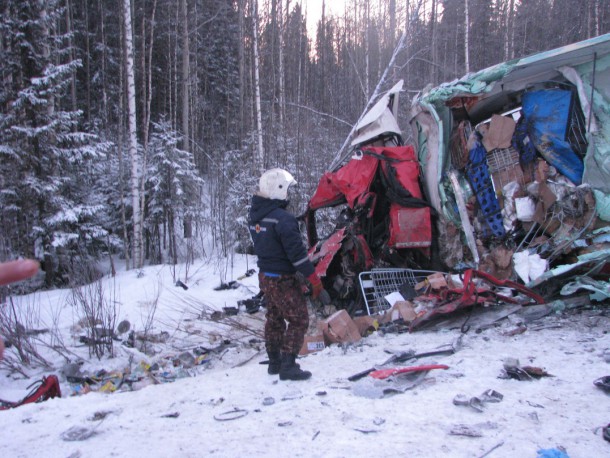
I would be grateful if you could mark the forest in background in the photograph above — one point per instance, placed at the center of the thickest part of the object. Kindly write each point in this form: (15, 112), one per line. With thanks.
(139, 127)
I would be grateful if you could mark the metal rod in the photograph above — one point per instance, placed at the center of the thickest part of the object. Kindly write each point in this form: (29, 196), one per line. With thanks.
(592, 90)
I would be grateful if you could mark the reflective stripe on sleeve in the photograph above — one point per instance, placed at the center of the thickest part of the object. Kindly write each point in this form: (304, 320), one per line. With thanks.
(301, 261)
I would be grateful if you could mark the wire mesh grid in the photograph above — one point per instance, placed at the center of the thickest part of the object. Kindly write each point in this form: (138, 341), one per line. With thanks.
(378, 283)
(577, 129)
(502, 158)
(504, 167)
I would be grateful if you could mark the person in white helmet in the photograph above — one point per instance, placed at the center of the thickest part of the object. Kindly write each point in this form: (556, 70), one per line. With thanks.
(281, 254)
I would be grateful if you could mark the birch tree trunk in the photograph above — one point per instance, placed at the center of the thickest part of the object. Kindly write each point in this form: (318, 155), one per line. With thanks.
(87, 67)
(186, 64)
(299, 86)
(367, 69)
(104, 113)
(138, 260)
(260, 153)
(147, 96)
(242, 67)
(70, 31)
(433, 45)
(281, 63)
(596, 18)
(147, 77)
(466, 37)
(392, 32)
(509, 29)
(120, 147)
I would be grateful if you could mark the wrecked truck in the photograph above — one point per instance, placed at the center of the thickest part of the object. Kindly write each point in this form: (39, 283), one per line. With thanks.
(383, 219)
(509, 174)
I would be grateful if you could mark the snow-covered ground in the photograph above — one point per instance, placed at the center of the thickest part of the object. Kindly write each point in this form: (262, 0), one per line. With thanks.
(232, 407)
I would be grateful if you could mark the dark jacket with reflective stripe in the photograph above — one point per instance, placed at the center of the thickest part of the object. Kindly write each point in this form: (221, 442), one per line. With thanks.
(277, 238)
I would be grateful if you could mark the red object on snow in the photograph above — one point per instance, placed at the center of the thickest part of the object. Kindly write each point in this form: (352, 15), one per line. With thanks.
(385, 373)
(48, 388)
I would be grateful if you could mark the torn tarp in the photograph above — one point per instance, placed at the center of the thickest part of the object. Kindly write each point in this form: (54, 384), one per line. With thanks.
(547, 114)
(600, 289)
(596, 258)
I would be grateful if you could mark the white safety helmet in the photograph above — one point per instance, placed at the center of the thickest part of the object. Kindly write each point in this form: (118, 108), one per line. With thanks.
(274, 184)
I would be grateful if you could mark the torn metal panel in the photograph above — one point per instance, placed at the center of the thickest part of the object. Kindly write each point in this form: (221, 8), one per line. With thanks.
(428, 130)
(381, 119)
(323, 255)
(476, 319)
(596, 258)
(601, 289)
(468, 230)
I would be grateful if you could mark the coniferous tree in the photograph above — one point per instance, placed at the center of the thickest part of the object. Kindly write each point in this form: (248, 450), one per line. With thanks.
(173, 190)
(47, 212)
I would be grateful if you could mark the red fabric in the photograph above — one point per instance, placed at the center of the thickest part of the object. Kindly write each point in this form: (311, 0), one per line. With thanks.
(402, 153)
(327, 193)
(410, 227)
(349, 183)
(407, 173)
(382, 374)
(352, 182)
(326, 252)
(407, 169)
(316, 285)
(48, 388)
(368, 256)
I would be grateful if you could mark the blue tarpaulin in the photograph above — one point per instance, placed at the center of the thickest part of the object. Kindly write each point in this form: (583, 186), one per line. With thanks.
(547, 114)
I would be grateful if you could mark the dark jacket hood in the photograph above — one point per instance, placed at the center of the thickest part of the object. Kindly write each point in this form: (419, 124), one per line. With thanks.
(261, 207)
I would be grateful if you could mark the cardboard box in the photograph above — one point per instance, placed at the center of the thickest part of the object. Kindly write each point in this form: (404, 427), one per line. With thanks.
(402, 310)
(340, 328)
(422, 287)
(500, 133)
(437, 281)
(367, 324)
(312, 344)
(547, 196)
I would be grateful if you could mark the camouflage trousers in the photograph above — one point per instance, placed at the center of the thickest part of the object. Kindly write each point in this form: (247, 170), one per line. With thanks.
(287, 317)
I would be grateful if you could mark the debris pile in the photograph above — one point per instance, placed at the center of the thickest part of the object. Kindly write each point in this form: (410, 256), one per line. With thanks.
(524, 212)
(164, 369)
(512, 160)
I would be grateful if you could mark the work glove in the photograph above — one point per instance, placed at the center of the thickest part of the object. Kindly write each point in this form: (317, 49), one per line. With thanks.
(316, 285)
(317, 290)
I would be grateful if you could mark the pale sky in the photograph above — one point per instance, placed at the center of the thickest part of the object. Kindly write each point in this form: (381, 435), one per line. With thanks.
(314, 12)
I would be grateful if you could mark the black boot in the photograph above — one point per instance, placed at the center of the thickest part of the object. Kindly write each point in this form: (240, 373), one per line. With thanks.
(289, 370)
(275, 361)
